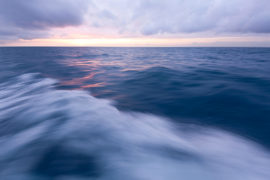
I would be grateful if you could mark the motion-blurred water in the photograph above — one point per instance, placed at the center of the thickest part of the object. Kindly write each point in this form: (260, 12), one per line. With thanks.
(170, 113)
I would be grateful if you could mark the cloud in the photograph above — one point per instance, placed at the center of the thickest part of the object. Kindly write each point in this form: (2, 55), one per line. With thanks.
(151, 17)
(29, 19)
(39, 14)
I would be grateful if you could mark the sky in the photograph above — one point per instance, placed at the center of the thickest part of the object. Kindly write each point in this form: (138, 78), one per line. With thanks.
(135, 23)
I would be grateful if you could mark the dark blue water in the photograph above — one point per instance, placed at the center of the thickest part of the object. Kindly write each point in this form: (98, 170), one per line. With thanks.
(135, 113)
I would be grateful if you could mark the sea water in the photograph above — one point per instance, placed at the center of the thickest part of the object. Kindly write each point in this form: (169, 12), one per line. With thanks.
(134, 113)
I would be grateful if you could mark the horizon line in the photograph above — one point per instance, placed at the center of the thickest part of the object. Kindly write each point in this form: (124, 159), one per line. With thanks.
(145, 46)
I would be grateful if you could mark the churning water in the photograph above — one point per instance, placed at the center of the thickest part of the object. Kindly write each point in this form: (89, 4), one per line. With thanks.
(135, 113)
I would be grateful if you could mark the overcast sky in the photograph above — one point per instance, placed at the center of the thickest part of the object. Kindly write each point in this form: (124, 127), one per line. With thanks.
(231, 22)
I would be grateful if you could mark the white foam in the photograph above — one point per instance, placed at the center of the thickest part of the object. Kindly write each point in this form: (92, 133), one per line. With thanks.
(127, 145)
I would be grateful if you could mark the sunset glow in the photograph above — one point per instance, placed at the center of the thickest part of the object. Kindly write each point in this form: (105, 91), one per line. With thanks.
(139, 42)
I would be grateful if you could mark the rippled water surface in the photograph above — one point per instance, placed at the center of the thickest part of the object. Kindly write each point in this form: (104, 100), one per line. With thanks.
(135, 113)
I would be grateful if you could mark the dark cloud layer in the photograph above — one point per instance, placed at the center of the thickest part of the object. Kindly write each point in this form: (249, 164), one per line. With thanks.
(28, 18)
(39, 14)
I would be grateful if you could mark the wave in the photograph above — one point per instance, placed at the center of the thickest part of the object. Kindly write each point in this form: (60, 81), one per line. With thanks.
(50, 133)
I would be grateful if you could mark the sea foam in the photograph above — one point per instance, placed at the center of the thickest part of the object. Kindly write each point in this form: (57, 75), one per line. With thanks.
(62, 134)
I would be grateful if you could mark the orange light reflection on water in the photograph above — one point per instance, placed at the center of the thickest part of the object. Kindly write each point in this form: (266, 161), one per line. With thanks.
(93, 85)
(82, 82)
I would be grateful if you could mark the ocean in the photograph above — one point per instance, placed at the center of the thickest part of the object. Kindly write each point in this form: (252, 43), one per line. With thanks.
(71, 113)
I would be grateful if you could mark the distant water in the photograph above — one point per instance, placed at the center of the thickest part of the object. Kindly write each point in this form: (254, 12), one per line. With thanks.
(135, 113)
